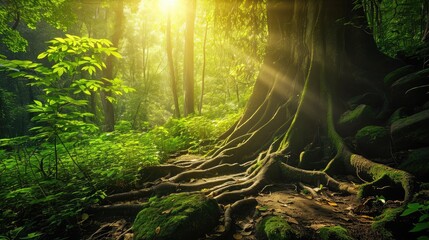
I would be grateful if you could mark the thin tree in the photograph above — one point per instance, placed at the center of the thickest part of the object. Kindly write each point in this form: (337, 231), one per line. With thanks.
(173, 80)
(203, 74)
(108, 108)
(188, 64)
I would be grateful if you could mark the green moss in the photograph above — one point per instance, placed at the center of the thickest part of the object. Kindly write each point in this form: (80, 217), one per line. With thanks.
(352, 120)
(382, 222)
(275, 228)
(355, 114)
(334, 233)
(177, 216)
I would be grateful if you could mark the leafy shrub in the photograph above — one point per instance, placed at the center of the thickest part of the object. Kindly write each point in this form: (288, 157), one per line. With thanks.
(422, 226)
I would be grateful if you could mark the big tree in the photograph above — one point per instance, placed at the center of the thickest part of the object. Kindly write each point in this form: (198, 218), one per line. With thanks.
(315, 60)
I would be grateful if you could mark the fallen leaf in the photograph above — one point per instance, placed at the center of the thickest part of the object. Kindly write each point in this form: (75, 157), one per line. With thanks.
(333, 204)
(158, 230)
(220, 228)
(292, 220)
(128, 236)
(245, 226)
(265, 213)
(244, 233)
(237, 236)
(317, 226)
(168, 211)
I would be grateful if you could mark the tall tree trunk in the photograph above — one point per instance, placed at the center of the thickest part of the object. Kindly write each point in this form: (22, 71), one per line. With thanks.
(173, 80)
(188, 65)
(203, 74)
(109, 113)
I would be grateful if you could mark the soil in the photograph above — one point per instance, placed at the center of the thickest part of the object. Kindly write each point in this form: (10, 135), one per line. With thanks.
(306, 208)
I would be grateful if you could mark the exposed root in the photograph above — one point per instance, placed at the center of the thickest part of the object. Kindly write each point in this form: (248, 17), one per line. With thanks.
(223, 169)
(152, 173)
(316, 178)
(265, 175)
(166, 188)
(380, 173)
(363, 167)
(232, 209)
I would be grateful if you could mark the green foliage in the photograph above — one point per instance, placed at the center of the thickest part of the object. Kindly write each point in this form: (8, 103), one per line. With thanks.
(42, 200)
(72, 76)
(422, 210)
(397, 25)
(30, 13)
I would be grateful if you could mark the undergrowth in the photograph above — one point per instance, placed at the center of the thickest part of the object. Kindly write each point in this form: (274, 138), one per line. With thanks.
(45, 190)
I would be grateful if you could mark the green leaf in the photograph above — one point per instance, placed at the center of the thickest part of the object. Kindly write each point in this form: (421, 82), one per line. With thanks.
(38, 103)
(418, 227)
(61, 40)
(424, 217)
(411, 208)
(32, 235)
(42, 55)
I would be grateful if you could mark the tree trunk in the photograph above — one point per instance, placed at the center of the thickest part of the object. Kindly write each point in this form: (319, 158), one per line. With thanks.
(203, 74)
(188, 65)
(109, 113)
(173, 80)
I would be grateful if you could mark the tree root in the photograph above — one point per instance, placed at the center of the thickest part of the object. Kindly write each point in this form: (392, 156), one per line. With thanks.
(234, 208)
(223, 169)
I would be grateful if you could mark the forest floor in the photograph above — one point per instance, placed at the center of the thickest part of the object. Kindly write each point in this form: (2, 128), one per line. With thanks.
(304, 207)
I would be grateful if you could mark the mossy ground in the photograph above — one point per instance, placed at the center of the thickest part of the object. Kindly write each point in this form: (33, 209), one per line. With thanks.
(275, 228)
(334, 233)
(178, 216)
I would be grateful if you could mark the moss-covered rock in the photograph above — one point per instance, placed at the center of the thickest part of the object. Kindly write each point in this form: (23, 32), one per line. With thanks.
(397, 114)
(407, 90)
(417, 163)
(352, 120)
(390, 78)
(275, 228)
(411, 132)
(177, 216)
(334, 233)
(373, 141)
